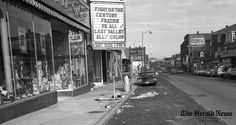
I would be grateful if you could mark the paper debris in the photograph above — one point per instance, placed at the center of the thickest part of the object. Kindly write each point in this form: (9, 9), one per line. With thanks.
(145, 95)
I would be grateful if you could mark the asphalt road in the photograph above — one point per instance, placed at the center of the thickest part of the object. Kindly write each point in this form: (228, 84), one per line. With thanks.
(165, 108)
(210, 92)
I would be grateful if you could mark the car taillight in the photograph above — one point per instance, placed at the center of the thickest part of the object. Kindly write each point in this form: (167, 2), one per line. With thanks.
(154, 79)
(139, 80)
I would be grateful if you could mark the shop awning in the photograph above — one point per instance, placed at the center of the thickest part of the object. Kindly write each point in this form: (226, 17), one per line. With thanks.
(125, 54)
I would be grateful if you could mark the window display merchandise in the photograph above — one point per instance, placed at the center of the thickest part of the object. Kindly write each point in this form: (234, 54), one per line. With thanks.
(69, 56)
(28, 56)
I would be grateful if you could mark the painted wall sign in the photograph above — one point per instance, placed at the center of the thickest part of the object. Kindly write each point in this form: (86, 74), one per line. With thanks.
(78, 11)
(108, 26)
(196, 40)
(228, 53)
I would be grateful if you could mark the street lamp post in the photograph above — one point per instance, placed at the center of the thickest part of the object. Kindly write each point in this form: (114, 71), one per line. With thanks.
(143, 33)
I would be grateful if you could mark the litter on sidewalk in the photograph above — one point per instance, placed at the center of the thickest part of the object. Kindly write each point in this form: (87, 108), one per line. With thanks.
(118, 95)
(145, 95)
(104, 99)
(107, 106)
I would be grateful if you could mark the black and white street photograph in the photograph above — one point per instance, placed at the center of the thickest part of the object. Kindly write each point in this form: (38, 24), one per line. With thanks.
(117, 62)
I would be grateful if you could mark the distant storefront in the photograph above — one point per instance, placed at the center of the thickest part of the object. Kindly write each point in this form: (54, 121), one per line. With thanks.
(137, 55)
(41, 51)
(229, 58)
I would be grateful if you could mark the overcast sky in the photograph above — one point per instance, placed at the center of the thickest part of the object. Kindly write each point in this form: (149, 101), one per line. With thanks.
(171, 20)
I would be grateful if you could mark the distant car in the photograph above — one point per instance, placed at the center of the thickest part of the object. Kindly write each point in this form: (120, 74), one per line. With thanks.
(222, 72)
(232, 72)
(147, 78)
(176, 71)
(213, 72)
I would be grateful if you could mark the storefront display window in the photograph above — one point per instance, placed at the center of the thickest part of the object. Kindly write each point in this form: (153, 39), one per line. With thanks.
(23, 51)
(61, 55)
(69, 56)
(29, 62)
(77, 57)
(3, 86)
(38, 53)
(44, 64)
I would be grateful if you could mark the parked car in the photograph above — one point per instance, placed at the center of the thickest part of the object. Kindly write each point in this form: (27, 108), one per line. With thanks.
(207, 72)
(221, 72)
(176, 71)
(213, 72)
(201, 72)
(147, 78)
(231, 72)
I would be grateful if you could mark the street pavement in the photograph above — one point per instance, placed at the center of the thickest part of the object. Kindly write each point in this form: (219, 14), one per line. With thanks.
(91, 108)
(163, 104)
(210, 92)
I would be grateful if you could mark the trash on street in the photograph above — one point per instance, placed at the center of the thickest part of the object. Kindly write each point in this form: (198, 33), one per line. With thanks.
(127, 106)
(103, 99)
(145, 95)
(119, 111)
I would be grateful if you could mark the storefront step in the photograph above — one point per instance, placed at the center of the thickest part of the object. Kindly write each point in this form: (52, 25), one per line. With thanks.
(28, 105)
(74, 92)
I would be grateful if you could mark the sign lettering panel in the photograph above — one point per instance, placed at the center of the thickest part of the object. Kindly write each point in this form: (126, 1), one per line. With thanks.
(108, 25)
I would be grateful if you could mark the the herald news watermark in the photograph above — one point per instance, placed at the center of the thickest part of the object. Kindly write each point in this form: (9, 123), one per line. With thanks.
(207, 116)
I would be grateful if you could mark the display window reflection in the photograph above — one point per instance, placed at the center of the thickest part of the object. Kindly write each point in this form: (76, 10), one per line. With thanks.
(4, 90)
(77, 48)
(69, 56)
(44, 64)
(30, 50)
(23, 50)
(61, 55)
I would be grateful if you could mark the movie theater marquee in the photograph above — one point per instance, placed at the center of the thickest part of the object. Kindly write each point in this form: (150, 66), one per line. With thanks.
(108, 26)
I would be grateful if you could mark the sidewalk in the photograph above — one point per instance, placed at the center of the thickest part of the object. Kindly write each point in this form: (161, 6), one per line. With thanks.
(79, 110)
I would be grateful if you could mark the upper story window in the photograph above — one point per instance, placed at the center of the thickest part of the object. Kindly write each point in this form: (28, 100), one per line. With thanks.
(230, 37)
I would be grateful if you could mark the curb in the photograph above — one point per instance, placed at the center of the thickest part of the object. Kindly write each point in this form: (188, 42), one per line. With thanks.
(111, 112)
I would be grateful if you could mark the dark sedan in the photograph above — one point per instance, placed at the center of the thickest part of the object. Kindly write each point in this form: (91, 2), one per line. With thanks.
(147, 78)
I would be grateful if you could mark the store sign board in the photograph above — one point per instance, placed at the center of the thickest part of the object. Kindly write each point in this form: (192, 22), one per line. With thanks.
(228, 53)
(108, 26)
(77, 10)
(75, 37)
(136, 53)
(196, 40)
(109, 0)
(201, 54)
(108, 45)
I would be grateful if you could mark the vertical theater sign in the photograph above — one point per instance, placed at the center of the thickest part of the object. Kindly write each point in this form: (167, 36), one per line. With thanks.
(108, 24)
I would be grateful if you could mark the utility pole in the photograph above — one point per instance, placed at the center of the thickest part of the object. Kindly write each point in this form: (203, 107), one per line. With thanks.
(143, 53)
